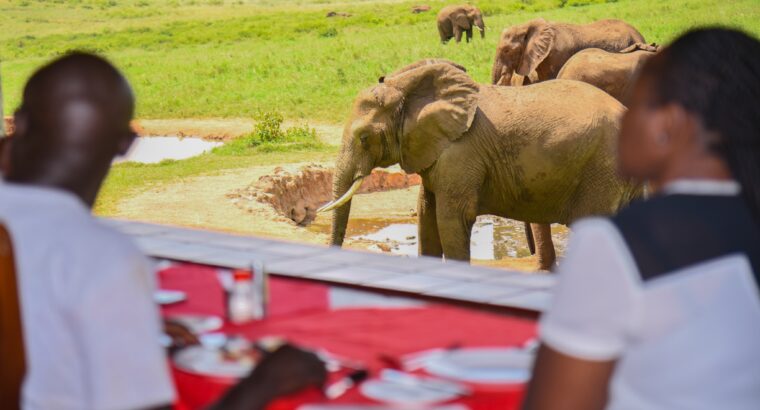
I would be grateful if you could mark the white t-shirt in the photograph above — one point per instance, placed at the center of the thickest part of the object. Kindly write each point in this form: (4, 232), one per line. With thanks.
(669, 289)
(91, 328)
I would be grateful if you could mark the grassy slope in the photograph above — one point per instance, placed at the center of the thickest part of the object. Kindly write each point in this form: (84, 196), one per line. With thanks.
(230, 61)
(208, 59)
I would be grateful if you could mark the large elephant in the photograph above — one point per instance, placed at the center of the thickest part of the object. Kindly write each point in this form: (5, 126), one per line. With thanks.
(528, 153)
(455, 20)
(546, 46)
(613, 72)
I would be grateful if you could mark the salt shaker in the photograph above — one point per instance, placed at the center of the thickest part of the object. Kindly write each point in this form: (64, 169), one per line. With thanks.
(240, 303)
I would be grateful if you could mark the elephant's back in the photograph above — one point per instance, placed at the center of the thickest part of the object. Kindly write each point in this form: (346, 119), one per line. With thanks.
(592, 60)
(564, 104)
(614, 28)
(445, 11)
(611, 72)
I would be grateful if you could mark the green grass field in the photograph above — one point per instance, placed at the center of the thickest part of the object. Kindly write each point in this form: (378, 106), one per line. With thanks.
(203, 59)
(227, 59)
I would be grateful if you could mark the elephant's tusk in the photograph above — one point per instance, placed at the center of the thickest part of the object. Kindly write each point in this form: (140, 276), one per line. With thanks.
(478, 28)
(517, 80)
(343, 199)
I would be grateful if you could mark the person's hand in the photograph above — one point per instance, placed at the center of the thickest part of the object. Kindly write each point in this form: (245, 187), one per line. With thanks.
(181, 336)
(288, 370)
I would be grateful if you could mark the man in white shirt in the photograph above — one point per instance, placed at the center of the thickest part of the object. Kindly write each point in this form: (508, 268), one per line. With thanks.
(90, 327)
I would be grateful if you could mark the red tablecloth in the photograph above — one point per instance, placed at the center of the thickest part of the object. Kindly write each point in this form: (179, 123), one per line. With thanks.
(301, 312)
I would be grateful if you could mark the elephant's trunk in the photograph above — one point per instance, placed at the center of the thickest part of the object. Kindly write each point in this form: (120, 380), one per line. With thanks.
(341, 204)
(481, 26)
(498, 70)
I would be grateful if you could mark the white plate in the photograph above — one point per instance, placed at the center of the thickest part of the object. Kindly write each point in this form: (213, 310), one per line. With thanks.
(199, 323)
(379, 407)
(403, 394)
(167, 297)
(210, 362)
(482, 365)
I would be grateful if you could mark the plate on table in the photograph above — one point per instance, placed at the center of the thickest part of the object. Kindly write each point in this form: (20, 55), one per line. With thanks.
(168, 297)
(215, 362)
(403, 394)
(488, 365)
(198, 323)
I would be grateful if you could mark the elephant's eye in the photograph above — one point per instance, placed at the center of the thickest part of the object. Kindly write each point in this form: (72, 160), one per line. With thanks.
(364, 138)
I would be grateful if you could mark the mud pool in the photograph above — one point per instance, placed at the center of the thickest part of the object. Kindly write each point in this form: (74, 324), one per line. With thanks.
(493, 238)
(150, 150)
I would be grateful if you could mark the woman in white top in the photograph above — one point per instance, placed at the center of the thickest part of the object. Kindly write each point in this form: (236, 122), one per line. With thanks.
(659, 306)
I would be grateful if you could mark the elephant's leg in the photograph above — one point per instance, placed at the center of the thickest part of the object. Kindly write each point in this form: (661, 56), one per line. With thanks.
(458, 33)
(443, 34)
(429, 242)
(542, 234)
(455, 221)
(469, 35)
(529, 238)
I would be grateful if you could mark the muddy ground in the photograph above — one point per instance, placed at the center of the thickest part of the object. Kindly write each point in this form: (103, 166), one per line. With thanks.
(223, 202)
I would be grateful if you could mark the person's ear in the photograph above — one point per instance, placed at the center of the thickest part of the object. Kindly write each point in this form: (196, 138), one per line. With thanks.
(20, 122)
(679, 127)
(126, 142)
(5, 155)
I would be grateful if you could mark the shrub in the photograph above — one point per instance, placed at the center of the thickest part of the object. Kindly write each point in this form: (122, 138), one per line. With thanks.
(268, 136)
(267, 127)
(329, 32)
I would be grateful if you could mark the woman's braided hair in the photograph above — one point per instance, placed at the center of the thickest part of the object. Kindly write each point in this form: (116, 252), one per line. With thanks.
(714, 73)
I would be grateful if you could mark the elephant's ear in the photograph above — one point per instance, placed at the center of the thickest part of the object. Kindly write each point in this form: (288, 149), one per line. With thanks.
(462, 20)
(538, 44)
(439, 106)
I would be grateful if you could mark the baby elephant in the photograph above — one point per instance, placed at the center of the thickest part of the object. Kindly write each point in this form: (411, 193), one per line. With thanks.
(613, 72)
(454, 20)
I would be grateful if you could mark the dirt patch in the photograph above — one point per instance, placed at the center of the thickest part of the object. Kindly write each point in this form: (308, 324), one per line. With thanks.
(203, 202)
(213, 129)
(224, 129)
(217, 129)
(8, 123)
(297, 196)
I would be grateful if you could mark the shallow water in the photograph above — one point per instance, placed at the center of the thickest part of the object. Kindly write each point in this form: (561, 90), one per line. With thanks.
(493, 238)
(149, 150)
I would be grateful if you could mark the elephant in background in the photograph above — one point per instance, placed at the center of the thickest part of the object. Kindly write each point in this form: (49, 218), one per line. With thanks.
(455, 20)
(612, 72)
(546, 46)
(536, 51)
(528, 153)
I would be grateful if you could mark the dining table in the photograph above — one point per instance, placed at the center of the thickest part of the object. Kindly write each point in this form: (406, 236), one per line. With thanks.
(358, 326)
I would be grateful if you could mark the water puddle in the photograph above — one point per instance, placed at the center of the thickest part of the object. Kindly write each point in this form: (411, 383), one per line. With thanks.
(493, 238)
(150, 150)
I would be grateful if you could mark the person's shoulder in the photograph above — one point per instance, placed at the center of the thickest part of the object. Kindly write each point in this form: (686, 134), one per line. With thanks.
(110, 240)
(98, 247)
(640, 209)
(594, 226)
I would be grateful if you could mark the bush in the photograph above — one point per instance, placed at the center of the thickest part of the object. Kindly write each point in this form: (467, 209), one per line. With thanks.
(268, 136)
(268, 127)
(329, 32)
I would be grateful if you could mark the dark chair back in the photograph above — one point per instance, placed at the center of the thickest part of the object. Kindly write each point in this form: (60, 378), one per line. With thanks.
(12, 357)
